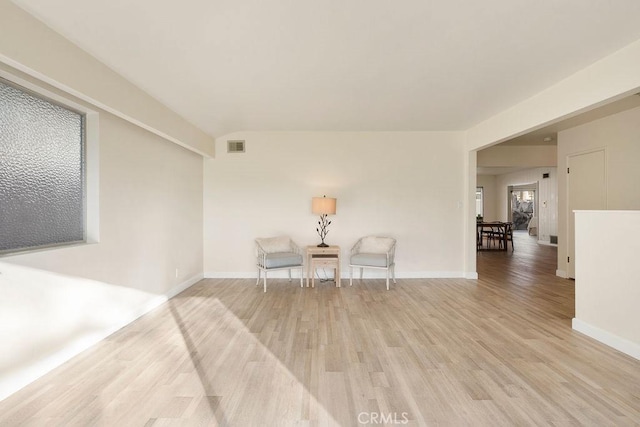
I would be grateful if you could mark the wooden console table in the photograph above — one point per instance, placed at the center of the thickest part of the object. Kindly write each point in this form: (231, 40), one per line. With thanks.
(323, 257)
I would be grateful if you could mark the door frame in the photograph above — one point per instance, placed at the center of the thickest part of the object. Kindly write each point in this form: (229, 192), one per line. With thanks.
(569, 232)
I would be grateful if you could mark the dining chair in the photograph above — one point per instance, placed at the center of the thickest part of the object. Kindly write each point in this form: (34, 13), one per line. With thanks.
(491, 232)
(505, 235)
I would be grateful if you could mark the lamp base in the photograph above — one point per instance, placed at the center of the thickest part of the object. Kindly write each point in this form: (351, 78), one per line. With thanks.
(323, 245)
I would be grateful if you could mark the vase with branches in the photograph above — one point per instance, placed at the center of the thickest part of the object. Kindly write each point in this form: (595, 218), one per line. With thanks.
(322, 230)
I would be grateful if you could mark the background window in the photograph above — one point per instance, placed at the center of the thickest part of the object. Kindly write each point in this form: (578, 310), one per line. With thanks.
(41, 171)
(479, 202)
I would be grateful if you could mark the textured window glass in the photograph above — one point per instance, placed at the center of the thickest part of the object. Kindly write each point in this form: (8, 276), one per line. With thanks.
(41, 172)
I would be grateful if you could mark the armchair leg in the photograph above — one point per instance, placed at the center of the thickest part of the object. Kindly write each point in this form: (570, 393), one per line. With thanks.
(289, 274)
(265, 281)
(361, 269)
(258, 280)
(393, 273)
(387, 279)
(301, 274)
(350, 276)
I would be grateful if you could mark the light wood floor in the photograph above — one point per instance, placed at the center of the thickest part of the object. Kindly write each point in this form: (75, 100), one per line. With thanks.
(497, 351)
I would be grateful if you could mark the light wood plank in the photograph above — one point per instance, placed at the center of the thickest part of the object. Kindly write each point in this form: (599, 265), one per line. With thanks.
(496, 351)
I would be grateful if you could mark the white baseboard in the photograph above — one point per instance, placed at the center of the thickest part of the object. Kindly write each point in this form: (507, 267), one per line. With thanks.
(561, 273)
(183, 286)
(11, 383)
(368, 274)
(547, 243)
(428, 275)
(240, 275)
(620, 344)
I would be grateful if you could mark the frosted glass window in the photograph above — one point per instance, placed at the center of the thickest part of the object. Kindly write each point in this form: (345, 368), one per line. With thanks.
(41, 172)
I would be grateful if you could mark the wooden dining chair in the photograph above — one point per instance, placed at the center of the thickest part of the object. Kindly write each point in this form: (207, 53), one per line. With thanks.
(506, 235)
(491, 231)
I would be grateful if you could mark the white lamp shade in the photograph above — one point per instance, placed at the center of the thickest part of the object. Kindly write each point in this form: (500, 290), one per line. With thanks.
(323, 205)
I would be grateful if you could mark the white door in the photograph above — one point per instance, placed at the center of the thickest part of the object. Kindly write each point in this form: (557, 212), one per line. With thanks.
(586, 191)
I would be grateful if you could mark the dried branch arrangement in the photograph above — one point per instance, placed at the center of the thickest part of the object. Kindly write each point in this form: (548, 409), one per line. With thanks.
(323, 223)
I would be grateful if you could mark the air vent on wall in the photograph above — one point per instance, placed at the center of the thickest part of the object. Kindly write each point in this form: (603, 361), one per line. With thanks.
(235, 146)
(545, 175)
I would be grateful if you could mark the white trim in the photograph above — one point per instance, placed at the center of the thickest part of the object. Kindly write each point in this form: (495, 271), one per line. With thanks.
(609, 211)
(42, 92)
(183, 286)
(621, 344)
(12, 383)
(345, 275)
(471, 275)
(43, 78)
(275, 274)
(92, 177)
(431, 275)
(562, 273)
(547, 243)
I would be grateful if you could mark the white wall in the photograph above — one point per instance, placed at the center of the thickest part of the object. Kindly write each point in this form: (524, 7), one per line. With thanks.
(56, 302)
(607, 272)
(618, 135)
(406, 185)
(547, 197)
(150, 215)
(488, 183)
(531, 156)
(150, 224)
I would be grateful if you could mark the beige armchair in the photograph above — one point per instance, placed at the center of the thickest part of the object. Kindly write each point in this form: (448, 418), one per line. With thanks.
(373, 252)
(277, 253)
(532, 227)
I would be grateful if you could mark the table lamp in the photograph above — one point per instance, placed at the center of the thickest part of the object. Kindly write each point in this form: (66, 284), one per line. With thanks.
(323, 206)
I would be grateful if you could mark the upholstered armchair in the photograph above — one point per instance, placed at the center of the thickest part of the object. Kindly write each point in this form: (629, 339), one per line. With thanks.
(532, 227)
(277, 253)
(373, 252)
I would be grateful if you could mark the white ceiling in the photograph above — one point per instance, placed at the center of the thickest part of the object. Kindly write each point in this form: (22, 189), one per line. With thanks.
(342, 65)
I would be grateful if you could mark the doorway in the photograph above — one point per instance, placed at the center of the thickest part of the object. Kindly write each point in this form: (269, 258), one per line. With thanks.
(522, 205)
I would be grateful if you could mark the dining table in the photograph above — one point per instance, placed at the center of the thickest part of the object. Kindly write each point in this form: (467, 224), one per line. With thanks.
(494, 231)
